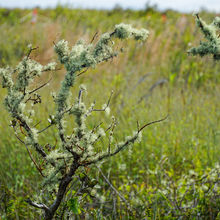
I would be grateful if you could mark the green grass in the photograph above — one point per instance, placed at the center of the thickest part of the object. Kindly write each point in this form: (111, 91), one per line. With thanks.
(152, 175)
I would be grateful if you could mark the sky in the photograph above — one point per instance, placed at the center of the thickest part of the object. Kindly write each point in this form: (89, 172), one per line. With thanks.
(180, 5)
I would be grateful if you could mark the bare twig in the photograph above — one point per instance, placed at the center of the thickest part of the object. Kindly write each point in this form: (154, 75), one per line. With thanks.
(30, 155)
(150, 123)
(94, 36)
(82, 72)
(120, 148)
(45, 129)
(138, 126)
(30, 51)
(28, 129)
(97, 126)
(40, 87)
(114, 189)
(19, 138)
(37, 124)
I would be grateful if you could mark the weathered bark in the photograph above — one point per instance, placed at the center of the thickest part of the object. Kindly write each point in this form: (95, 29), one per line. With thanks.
(61, 191)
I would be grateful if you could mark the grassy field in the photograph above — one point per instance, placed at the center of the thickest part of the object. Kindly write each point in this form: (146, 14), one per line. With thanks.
(174, 172)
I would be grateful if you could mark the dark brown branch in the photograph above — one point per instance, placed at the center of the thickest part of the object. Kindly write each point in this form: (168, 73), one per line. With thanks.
(19, 138)
(30, 155)
(36, 99)
(37, 124)
(82, 72)
(97, 126)
(200, 24)
(28, 129)
(94, 37)
(45, 129)
(112, 34)
(30, 51)
(40, 87)
(61, 191)
(111, 125)
(106, 155)
(150, 123)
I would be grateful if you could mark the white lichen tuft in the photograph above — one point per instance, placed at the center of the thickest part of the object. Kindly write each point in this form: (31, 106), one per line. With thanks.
(107, 111)
(50, 66)
(212, 43)
(124, 31)
(54, 155)
(62, 50)
(7, 81)
(82, 87)
(101, 132)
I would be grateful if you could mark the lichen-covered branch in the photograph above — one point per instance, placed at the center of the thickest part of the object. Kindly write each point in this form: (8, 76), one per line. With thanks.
(211, 33)
(61, 163)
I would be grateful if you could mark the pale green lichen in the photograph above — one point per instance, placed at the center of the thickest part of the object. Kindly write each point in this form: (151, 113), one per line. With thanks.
(216, 22)
(101, 132)
(7, 81)
(27, 69)
(124, 31)
(50, 66)
(62, 50)
(79, 146)
(212, 45)
(83, 56)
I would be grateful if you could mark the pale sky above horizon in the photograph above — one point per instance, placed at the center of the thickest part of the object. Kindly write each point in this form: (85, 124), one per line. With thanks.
(180, 5)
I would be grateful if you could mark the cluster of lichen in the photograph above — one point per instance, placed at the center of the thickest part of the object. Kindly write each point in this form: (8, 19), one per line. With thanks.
(79, 147)
(17, 82)
(211, 33)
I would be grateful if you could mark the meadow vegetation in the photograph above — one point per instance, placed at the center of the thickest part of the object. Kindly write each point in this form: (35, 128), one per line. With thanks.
(174, 172)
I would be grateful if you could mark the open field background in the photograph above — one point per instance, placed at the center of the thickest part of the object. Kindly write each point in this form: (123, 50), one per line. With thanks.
(173, 172)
